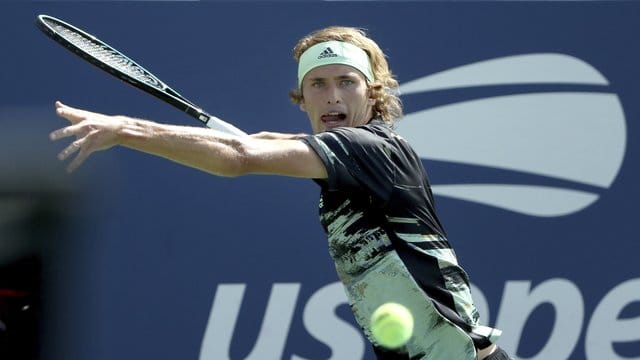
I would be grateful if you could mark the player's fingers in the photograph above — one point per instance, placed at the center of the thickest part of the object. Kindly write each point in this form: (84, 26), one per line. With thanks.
(82, 156)
(64, 132)
(69, 150)
(72, 114)
(65, 111)
(59, 134)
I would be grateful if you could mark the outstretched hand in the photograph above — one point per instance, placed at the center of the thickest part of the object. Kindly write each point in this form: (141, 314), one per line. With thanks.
(93, 132)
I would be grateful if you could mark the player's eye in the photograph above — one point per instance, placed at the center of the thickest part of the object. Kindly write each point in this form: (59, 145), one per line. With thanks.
(346, 82)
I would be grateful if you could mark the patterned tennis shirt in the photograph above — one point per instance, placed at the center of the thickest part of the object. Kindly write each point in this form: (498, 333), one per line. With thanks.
(389, 246)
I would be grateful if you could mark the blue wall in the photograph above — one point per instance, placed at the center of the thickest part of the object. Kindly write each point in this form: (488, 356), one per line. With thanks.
(525, 116)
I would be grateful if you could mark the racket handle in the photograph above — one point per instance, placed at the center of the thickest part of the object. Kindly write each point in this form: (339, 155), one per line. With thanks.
(215, 123)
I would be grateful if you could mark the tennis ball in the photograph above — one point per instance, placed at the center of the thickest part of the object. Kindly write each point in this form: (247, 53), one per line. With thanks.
(391, 325)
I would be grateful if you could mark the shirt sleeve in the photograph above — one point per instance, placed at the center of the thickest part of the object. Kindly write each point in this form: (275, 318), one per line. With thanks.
(357, 160)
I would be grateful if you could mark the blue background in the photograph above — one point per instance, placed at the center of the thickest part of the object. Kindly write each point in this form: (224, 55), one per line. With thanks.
(146, 242)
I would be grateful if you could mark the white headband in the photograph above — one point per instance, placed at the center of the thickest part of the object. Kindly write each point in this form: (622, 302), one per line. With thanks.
(334, 52)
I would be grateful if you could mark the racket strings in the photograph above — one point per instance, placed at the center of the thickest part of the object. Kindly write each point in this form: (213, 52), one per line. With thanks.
(107, 55)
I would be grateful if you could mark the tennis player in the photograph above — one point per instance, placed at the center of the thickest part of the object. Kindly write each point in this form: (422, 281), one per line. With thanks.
(376, 203)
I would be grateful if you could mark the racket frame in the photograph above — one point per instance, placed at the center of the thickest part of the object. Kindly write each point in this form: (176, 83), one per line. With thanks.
(160, 90)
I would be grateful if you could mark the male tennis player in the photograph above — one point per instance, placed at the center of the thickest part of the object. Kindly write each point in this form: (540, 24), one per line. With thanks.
(376, 203)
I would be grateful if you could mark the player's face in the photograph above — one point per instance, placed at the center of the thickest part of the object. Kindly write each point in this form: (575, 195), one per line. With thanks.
(334, 96)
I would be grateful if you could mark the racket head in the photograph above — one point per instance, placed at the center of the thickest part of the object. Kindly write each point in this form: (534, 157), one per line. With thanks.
(109, 59)
(98, 53)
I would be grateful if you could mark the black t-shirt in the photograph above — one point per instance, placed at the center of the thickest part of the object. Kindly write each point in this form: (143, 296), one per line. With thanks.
(377, 208)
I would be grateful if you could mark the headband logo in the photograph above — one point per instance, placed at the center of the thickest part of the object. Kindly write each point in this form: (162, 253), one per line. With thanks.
(327, 53)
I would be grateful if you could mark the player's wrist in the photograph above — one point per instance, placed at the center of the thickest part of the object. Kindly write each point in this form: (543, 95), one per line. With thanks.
(128, 130)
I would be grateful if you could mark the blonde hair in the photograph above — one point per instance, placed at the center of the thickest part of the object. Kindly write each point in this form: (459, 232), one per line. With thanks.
(387, 104)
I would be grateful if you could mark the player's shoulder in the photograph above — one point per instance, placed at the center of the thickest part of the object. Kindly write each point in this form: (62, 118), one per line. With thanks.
(375, 130)
(378, 131)
(374, 137)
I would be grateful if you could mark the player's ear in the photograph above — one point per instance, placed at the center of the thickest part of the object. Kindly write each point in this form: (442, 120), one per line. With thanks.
(370, 101)
(303, 108)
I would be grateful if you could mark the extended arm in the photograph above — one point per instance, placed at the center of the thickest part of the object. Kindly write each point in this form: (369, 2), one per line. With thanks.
(267, 135)
(205, 149)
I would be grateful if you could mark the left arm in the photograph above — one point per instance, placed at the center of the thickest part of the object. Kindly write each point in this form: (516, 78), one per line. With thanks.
(267, 135)
(205, 149)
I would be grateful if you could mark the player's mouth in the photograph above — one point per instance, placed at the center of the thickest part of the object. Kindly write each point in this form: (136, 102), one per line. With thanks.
(333, 119)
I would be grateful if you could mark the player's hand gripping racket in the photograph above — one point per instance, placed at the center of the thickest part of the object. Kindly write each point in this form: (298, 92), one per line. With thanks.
(117, 64)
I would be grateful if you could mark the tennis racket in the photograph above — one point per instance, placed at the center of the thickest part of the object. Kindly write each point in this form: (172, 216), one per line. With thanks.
(117, 64)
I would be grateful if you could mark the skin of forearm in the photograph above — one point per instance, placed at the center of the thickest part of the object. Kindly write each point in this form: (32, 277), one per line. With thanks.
(204, 149)
(267, 135)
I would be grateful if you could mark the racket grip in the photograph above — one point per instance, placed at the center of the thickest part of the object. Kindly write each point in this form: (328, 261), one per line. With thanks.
(221, 125)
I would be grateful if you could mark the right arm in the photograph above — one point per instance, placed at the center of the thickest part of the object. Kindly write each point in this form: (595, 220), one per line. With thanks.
(205, 149)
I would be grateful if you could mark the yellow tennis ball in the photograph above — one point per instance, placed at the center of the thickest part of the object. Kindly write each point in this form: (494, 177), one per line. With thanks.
(391, 325)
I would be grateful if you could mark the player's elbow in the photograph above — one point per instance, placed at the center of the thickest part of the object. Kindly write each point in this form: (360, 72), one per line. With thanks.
(235, 170)
(239, 162)
(251, 156)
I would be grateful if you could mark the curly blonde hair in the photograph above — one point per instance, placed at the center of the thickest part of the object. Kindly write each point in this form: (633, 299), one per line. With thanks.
(383, 90)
